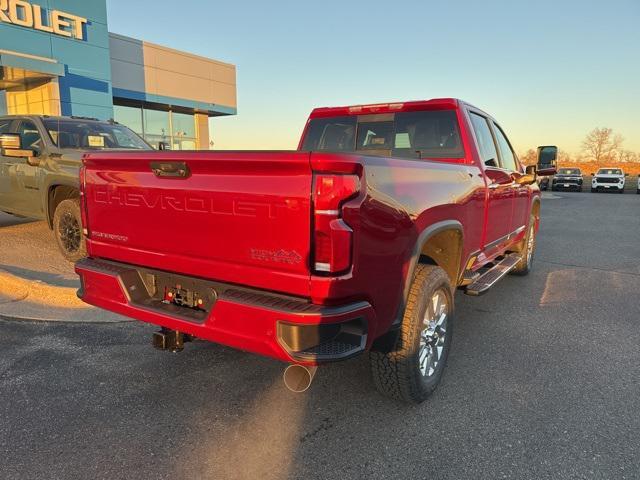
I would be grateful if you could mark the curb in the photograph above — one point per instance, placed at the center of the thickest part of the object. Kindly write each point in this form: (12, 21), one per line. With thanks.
(33, 300)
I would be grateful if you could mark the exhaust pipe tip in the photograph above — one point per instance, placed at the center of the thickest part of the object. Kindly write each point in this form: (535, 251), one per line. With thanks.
(298, 378)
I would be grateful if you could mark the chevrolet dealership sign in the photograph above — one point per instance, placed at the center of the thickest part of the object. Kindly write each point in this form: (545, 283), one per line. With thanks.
(24, 14)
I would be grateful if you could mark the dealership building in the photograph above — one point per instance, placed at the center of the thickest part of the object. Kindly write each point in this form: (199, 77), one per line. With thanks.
(57, 57)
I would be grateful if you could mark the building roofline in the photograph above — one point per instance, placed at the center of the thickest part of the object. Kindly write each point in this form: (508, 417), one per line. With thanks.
(169, 49)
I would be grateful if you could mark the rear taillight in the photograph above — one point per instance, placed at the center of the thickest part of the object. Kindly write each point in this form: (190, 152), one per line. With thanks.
(83, 202)
(333, 238)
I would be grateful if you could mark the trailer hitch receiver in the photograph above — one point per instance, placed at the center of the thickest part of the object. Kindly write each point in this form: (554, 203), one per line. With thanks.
(172, 340)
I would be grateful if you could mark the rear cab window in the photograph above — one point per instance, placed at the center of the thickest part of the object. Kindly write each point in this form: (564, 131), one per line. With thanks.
(428, 134)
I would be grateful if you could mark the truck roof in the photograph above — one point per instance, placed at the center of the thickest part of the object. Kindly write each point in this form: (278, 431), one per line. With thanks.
(391, 107)
(55, 117)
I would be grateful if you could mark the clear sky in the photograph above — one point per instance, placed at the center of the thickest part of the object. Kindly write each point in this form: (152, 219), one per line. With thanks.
(549, 71)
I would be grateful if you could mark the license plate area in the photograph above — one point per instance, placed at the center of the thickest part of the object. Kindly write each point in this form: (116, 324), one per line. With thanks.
(182, 297)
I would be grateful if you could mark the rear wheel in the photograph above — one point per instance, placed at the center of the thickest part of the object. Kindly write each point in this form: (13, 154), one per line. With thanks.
(413, 368)
(523, 267)
(67, 228)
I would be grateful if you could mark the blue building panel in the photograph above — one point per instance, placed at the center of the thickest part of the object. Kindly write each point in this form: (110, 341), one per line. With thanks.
(82, 65)
(23, 40)
(94, 10)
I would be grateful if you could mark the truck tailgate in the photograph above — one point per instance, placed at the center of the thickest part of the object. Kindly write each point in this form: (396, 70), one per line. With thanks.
(238, 217)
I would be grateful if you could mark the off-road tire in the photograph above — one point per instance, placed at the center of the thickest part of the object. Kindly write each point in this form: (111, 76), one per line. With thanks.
(396, 373)
(67, 229)
(523, 267)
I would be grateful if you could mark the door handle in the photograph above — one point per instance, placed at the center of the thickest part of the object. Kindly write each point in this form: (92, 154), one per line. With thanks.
(170, 169)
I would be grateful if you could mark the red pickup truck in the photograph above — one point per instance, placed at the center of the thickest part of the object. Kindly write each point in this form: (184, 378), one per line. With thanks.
(355, 242)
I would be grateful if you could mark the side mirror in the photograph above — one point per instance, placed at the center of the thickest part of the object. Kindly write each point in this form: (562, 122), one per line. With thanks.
(10, 141)
(10, 146)
(163, 146)
(547, 160)
(530, 177)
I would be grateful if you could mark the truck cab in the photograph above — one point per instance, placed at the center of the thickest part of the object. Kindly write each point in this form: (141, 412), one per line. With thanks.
(40, 157)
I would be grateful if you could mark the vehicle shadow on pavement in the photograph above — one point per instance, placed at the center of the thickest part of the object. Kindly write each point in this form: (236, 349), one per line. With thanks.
(11, 220)
(50, 278)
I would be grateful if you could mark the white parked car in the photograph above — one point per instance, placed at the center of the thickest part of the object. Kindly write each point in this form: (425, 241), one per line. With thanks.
(608, 179)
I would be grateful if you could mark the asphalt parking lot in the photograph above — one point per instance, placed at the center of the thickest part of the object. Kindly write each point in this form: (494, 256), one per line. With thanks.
(542, 383)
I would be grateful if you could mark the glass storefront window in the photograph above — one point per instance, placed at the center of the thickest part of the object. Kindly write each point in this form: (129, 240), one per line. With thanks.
(177, 130)
(156, 122)
(180, 143)
(184, 125)
(129, 117)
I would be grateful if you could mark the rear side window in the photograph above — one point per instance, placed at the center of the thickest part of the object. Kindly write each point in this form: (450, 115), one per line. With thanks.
(487, 146)
(426, 134)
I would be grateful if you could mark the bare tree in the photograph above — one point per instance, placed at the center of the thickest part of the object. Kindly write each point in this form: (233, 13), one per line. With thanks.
(601, 144)
(626, 156)
(564, 158)
(529, 157)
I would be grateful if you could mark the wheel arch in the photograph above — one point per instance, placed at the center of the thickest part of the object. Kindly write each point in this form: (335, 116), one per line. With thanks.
(440, 244)
(56, 193)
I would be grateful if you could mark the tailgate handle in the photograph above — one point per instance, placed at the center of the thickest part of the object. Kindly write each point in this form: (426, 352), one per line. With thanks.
(170, 169)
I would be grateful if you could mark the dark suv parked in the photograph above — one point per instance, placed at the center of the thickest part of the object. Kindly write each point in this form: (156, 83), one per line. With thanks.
(567, 179)
(40, 157)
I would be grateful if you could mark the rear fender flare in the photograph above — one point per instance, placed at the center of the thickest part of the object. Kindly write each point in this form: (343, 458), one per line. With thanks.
(386, 341)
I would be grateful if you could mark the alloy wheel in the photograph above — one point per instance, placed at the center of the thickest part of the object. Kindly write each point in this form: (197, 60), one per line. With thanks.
(433, 336)
(70, 235)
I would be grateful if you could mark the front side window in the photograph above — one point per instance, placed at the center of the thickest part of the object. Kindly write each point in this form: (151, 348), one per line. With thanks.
(29, 135)
(507, 155)
(486, 145)
(4, 126)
